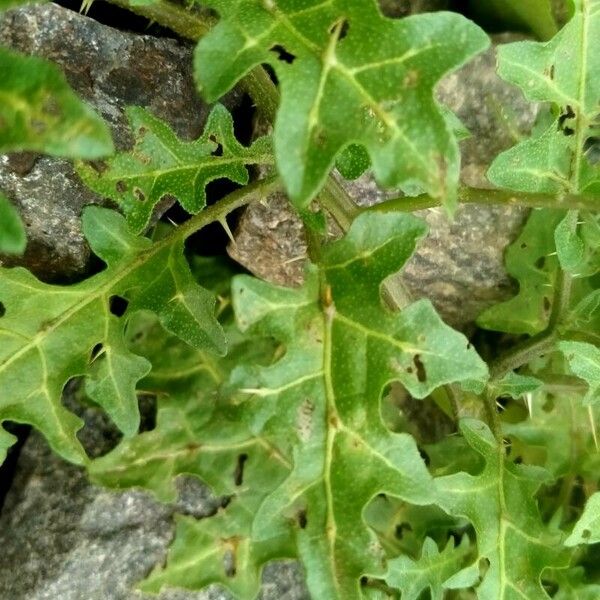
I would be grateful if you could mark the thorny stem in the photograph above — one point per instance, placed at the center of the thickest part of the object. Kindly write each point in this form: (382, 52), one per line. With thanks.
(231, 202)
(265, 95)
(467, 195)
(259, 86)
(543, 342)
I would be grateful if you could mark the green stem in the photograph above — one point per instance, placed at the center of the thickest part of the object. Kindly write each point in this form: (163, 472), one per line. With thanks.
(257, 84)
(468, 195)
(231, 202)
(521, 354)
(539, 344)
(183, 22)
(489, 402)
(335, 199)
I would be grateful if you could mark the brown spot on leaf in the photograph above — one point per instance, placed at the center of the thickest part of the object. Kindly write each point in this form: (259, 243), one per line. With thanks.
(420, 367)
(139, 195)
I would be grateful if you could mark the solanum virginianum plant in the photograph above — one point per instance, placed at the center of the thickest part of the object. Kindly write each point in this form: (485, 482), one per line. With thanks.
(284, 401)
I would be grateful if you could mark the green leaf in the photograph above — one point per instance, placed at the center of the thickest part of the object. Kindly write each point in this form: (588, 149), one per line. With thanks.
(578, 248)
(515, 385)
(12, 233)
(431, 571)
(572, 584)
(287, 441)
(341, 351)
(531, 261)
(566, 72)
(200, 432)
(39, 112)
(7, 4)
(161, 164)
(556, 436)
(584, 360)
(51, 332)
(348, 76)
(587, 529)
(500, 503)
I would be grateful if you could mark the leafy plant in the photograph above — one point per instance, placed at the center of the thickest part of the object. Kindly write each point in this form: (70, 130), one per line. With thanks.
(289, 403)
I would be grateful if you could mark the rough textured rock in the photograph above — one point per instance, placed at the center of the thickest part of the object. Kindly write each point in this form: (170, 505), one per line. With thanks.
(63, 538)
(459, 266)
(110, 69)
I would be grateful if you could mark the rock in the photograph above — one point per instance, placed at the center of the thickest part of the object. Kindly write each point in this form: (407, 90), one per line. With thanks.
(64, 538)
(110, 69)
(459, 266)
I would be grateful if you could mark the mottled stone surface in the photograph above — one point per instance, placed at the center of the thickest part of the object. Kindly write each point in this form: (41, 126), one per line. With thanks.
(110, 69)
(459, 266)
(63, 538)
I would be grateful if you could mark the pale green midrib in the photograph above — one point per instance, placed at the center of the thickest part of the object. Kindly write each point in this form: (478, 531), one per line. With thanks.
(205, 217)
(581, 96)
(266, 159)
(330, 413)
(390, 122)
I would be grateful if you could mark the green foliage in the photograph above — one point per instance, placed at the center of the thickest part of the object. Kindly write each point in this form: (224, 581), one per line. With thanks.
(510, 532)
(587, 529)
(434, 570)
(161, 164)
(530, 259)
(565, 72)
(584, 360)
(317, 413)
(53, 333)
(534, 15)
(347, 76)
(12, 233)
(39, 112)
(368, 443)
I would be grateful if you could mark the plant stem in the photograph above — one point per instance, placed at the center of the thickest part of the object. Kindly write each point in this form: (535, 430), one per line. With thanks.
(335, 199)
(257, 83)
(541, 343)
(521, 354)
(467, 195)
(185, 23)
(220, 210)
(489, 402)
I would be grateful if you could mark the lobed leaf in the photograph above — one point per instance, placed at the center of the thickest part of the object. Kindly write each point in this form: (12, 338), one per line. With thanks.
(531, 260)
(587, 528)
(348, 76)
(51, 333)
(584, 360)
(39, 112)
(433, 570)
(160, 164)
(566, 72)
(299, 433)
(500, 504)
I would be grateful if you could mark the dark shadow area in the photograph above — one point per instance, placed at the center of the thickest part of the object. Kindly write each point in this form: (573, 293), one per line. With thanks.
(108, 14)
(9, 467)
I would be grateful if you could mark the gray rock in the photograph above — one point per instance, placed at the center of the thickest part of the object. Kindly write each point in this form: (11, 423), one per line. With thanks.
(459, 266)
(110, 69)
(64, 538)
